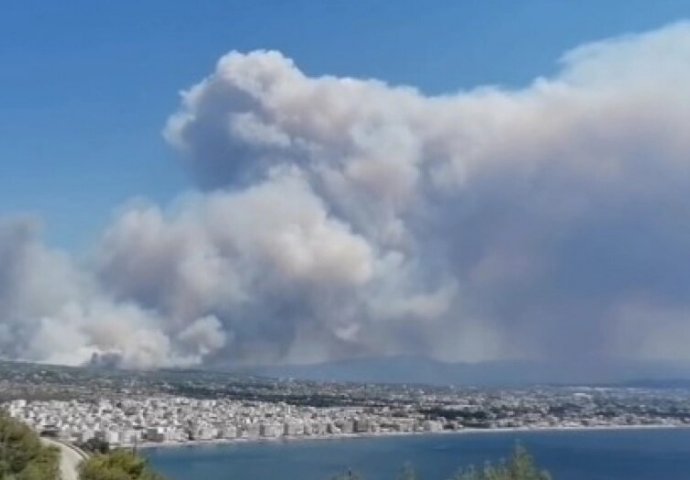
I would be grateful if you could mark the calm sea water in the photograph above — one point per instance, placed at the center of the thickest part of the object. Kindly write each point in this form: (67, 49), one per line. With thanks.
(662, 454)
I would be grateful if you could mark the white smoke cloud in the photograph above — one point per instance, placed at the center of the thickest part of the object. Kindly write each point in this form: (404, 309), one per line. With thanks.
(341, 216)
(52, 311)
(268, 262)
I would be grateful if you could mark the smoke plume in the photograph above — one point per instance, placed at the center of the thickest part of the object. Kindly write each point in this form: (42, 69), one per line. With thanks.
(337, 217)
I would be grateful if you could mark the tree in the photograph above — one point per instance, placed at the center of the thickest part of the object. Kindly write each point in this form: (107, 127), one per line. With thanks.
(521, 466)
(22, 455)
(95, 445)
(117, 465)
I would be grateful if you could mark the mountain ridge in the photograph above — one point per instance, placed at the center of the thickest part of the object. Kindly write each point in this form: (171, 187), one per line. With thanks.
(423, 370)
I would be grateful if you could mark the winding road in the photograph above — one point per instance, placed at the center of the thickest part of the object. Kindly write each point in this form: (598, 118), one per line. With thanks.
(70, 458)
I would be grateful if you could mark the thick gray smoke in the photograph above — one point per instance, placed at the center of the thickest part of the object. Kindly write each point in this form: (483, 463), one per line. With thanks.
(338, 217)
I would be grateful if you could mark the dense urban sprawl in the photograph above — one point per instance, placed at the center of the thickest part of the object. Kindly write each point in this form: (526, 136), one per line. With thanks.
(128, 408)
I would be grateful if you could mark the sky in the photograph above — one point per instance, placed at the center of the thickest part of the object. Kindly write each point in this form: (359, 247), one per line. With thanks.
(266, 182)
(88, 85)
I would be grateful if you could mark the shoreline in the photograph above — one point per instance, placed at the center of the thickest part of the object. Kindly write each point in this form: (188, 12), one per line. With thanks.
(467, 431)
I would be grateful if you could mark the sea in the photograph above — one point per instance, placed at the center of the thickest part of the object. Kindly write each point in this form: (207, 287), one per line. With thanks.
(627, 454)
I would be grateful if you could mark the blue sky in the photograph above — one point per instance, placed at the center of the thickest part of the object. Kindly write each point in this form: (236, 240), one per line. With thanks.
(87, 85)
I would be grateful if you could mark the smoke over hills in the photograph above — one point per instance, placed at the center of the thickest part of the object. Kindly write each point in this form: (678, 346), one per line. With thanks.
(340, 217)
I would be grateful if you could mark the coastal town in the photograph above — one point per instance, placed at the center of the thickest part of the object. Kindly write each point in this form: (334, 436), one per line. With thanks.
(127, 409)
(125, 422)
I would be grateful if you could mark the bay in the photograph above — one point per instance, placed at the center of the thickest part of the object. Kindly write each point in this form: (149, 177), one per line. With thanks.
(630, 454)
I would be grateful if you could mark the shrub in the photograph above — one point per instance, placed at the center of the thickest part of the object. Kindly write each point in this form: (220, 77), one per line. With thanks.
(22, 455)
(117, 465)
(520, 466)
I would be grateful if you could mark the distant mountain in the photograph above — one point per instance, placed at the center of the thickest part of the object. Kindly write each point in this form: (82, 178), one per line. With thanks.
(413, 370)
(421, 370)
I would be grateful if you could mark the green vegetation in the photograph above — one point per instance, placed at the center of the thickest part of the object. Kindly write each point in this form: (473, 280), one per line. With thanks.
(520, 466)
(94, 445)
(22, 455)
(117, 465)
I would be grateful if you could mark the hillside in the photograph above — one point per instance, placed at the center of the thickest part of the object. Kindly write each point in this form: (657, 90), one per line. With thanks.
(22, 455)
